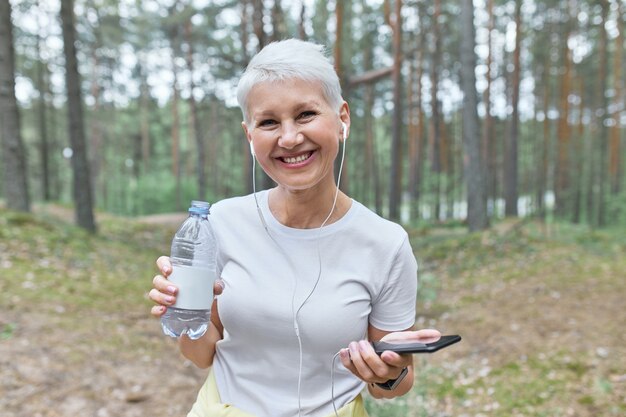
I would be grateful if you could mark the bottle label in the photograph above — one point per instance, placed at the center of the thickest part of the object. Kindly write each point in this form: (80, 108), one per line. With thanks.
(195, 287)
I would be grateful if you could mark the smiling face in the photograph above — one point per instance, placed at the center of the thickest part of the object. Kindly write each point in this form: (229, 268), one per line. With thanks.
(295, 133)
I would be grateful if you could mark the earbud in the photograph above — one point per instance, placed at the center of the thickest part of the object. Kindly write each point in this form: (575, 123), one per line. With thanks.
(344, 131)
(252, 149)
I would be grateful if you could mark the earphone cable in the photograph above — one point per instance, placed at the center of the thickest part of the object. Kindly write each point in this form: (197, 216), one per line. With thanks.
(332, 383)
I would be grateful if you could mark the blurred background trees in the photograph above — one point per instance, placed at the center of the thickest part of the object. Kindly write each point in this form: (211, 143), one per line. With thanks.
(543, 135)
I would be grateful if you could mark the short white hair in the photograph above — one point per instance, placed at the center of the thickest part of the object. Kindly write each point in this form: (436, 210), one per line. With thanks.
(286, 60)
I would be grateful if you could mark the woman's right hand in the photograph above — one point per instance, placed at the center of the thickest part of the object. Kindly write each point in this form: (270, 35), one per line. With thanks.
(164, 291)
(201, 351)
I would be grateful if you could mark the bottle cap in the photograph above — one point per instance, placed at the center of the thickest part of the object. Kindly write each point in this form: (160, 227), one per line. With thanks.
(199, 207)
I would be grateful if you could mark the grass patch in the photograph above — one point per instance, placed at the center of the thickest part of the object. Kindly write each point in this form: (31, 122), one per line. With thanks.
(50, 264)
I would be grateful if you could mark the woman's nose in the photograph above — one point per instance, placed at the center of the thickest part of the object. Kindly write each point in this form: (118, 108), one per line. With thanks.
(290, 137)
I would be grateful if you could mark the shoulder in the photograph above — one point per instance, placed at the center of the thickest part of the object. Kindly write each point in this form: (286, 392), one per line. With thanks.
(372, 224)
(370, 230)
(232, 206)
(234, 213)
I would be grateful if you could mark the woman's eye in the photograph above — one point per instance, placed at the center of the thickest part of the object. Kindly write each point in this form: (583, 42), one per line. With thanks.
(306, 114)
(267, 123)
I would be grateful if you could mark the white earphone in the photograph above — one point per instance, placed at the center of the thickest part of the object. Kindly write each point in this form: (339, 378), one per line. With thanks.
(252, 148)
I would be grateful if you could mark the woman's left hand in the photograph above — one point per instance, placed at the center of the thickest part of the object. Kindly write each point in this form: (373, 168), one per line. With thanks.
(361, 359)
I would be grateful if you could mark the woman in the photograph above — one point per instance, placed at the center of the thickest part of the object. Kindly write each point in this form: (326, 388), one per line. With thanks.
(308, 273)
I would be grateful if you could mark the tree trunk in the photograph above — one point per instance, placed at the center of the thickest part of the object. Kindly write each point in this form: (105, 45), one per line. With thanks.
(259, 31)
(615, 161)
(601, 113)
(339, 68)
(175, 128)
(247, 157)
(488, 153)
(562, 181)
(434, 131)
(578, 154)
(257, 22)
(216, 150)
(42, 87)
(278, 22)
(395, 190)
(95, 148)
(80, 165)
(416, 118)
(175, 131)
(510, 166)
(472, 161)
(144, 118)
(301, 29)
(14, 175)
(449, 157)
(545, 148)
(193, 114)
(370, 175)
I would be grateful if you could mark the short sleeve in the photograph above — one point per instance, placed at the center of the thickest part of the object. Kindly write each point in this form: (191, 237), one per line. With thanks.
(394, 308)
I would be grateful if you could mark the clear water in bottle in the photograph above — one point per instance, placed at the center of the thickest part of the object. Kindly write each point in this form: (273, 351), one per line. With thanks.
(193, 258)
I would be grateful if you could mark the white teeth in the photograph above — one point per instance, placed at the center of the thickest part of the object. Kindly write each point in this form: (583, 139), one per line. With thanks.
(296, 159)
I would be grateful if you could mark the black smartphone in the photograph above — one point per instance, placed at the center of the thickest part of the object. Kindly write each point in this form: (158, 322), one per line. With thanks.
(414, 347)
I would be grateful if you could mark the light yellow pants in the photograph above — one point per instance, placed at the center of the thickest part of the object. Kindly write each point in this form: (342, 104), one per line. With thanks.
(208, 404)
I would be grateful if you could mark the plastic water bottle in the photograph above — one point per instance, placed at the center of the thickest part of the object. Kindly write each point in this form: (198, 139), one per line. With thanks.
(193, 258)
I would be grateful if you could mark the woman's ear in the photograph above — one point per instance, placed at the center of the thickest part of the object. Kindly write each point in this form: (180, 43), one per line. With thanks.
(344, 116)
(245, 129)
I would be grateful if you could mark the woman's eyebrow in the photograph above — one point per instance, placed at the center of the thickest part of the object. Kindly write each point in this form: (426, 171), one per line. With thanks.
(307, 105)
(262, 114)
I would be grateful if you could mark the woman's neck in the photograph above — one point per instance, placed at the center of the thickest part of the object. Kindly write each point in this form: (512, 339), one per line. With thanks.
(307, 209)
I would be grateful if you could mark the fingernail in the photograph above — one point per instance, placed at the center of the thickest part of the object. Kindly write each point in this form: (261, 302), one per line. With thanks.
(169, 299)
(344, 354)
(171, 290)
(363, 346)
(353, 347)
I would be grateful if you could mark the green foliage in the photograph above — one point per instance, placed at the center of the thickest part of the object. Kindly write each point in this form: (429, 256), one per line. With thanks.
(127, 56)
(51, 265)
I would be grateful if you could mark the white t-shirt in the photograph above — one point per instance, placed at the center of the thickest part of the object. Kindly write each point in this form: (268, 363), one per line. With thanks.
(368, 275)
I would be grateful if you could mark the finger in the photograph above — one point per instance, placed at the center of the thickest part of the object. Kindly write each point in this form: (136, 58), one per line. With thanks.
(158, 311)
(361, 366)
(215, 317)
(161, 298)
(428, 335)
(380, 368)
(395, 360)
(423, 336)
(218, 286)
(165, 265)
(344, 356)
(164, 285)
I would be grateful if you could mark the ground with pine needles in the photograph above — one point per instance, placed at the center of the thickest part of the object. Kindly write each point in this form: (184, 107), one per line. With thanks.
(541, 312)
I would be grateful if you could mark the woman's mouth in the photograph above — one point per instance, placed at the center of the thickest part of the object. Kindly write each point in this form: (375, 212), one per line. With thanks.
(298, 159)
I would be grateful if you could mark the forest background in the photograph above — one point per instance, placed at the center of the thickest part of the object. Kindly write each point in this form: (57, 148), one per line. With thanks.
(500, 116)
(160, 124)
